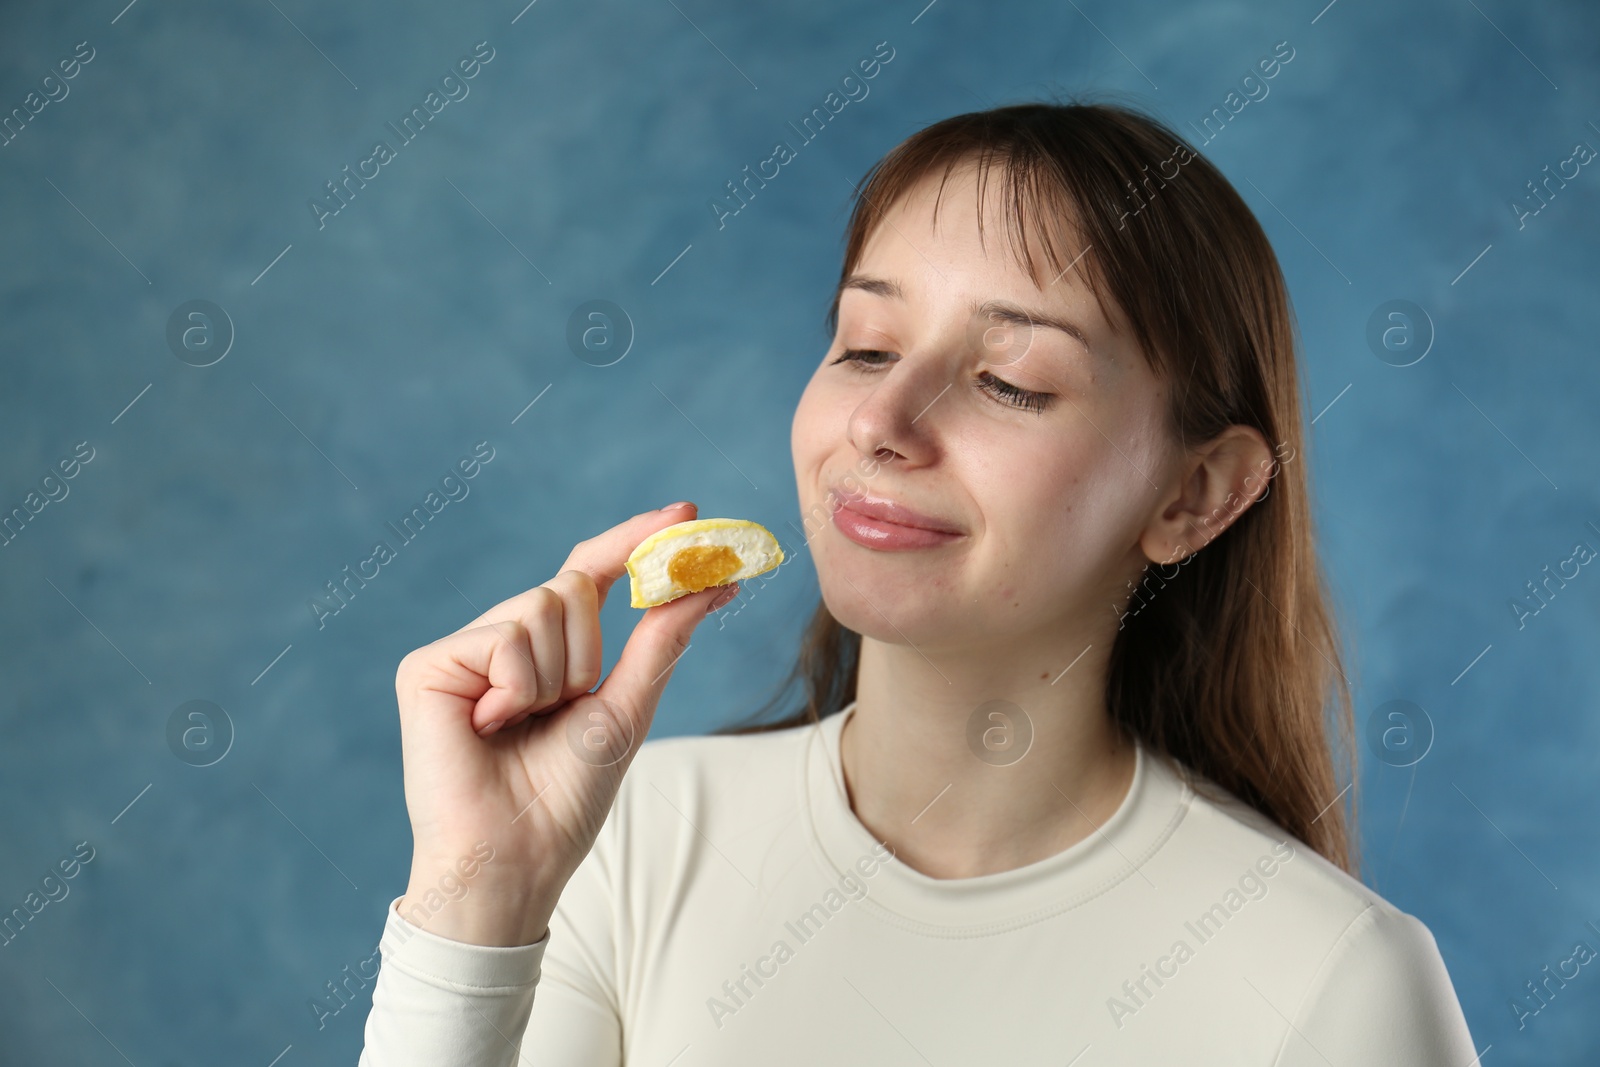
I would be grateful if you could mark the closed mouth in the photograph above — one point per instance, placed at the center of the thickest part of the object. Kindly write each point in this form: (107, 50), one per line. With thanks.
(883, 509)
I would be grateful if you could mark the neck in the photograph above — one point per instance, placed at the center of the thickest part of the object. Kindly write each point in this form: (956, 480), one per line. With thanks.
(985, 760)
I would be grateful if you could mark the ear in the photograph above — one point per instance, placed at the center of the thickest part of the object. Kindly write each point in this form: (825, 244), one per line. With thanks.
(1217, 482)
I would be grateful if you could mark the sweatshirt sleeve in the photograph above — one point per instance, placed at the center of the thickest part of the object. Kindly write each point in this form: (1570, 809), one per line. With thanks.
(1382, 996)
(439, 1001)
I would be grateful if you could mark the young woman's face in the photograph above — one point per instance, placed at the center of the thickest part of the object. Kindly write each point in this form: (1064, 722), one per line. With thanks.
(1043, 508)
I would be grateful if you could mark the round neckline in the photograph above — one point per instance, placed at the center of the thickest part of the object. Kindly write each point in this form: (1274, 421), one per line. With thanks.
(988, 903)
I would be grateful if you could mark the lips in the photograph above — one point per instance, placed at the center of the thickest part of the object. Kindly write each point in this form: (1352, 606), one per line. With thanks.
(883, 509)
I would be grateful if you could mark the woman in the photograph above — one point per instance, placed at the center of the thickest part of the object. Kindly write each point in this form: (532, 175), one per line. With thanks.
(1061, 790)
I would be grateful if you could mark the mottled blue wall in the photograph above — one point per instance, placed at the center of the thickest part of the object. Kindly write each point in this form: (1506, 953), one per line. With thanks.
(382, 345)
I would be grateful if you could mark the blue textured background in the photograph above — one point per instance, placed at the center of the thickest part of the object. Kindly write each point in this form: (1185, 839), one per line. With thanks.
(413, 326)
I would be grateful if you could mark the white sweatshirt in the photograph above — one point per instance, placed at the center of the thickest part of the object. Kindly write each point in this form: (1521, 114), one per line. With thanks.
(734, 912)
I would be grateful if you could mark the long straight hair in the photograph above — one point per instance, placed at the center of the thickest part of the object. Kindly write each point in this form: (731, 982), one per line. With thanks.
(1229, 666)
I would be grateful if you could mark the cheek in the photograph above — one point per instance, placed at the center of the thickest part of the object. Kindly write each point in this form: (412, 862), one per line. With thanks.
(1048, 522)
(805, 430)
(1022, 500)
(821, 420)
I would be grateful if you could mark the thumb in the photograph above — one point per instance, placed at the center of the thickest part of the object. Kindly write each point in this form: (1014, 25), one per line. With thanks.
(658, 641)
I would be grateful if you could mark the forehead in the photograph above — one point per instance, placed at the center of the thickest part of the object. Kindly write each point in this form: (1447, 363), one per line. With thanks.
(996, 255)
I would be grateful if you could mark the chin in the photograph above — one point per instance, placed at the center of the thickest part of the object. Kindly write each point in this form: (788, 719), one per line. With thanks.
(895, 611)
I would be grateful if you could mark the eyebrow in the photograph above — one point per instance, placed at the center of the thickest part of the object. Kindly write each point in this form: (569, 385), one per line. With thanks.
(999, 311)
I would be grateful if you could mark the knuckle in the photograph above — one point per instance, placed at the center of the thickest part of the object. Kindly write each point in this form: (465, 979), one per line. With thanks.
(525, 691)
(513, 632)
(545, 606)
(406, 670)
(675, 644)
(584, 549)
(582, 581)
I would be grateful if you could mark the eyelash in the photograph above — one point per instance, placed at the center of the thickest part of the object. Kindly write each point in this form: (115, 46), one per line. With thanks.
(1004, 391)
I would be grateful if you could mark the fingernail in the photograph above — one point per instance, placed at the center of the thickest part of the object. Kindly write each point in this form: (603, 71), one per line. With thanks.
(723, 597)
(679, 504)
(491, 728)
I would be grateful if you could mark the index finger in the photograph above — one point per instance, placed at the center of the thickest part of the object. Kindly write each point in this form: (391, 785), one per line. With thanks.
(603, 557)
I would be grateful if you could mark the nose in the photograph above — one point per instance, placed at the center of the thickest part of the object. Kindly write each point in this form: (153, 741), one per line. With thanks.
(896, 420)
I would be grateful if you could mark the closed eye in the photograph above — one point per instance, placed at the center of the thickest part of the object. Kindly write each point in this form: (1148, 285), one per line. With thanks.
(999, 389)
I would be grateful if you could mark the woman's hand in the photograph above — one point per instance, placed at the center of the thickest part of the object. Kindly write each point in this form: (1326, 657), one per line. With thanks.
(504, 742)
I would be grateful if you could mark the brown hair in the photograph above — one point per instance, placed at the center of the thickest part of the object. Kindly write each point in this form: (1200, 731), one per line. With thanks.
(1229, 670)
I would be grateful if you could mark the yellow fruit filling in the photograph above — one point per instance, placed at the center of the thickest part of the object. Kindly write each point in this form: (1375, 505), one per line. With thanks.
(699, 567)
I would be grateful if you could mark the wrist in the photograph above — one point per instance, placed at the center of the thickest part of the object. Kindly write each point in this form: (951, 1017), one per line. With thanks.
(486, 929)
(506, 913)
